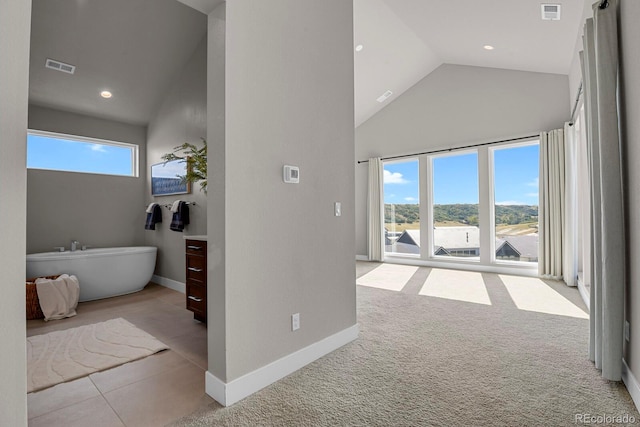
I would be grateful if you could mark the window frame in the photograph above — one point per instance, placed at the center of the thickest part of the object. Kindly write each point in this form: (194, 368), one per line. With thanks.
(492, 202)
(430, 232)
(135, 151)
(486, 214)
(417, 159)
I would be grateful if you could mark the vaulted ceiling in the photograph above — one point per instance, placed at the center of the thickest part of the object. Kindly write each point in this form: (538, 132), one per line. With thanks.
(134, 48)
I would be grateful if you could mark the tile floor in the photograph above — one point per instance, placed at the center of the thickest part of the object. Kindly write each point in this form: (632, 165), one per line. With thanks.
(149, 392)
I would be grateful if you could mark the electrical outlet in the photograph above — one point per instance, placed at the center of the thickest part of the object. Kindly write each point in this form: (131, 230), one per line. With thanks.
(626, 330)
(295, 321)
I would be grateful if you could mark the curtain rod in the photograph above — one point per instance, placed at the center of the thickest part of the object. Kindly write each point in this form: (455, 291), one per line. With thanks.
(575, 106)
(455, 148)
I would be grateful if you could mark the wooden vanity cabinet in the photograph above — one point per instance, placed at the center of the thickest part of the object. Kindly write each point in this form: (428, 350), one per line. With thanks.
(196, 278)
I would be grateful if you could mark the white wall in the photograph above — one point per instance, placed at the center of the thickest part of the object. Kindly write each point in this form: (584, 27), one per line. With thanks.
(97, 210)
(289, 100)
(458, 105)
(630, 130)
(181, 117)
(15, 18)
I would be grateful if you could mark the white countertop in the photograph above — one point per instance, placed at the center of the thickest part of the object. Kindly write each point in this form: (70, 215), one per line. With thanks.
(197, 237)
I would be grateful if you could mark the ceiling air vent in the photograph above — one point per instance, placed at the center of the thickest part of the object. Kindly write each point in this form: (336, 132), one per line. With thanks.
(550, 12)
(60, 66)
(384, 96)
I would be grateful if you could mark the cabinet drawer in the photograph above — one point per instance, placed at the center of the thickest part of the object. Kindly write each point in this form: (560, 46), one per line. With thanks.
(196, 298)
(196, 247)
(196, 268)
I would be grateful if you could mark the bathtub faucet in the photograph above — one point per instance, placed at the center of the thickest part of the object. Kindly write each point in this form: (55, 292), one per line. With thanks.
(74, 245)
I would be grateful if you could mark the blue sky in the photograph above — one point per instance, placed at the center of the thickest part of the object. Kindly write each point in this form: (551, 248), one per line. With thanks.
(456, 178)
(62, 154)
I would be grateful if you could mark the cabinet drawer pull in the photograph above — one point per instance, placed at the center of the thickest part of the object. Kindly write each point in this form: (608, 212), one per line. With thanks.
(195, 248)
(197, 270)
(192, 298)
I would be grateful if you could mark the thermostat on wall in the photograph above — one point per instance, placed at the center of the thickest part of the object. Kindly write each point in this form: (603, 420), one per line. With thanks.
(291, 174)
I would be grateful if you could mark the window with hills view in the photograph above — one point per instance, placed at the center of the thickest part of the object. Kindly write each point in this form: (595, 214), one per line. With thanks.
(454, 209)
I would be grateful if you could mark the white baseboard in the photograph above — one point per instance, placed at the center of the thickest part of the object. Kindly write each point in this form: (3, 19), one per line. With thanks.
(362, 258)
(229, 393)
(169, 283)
(632, 383)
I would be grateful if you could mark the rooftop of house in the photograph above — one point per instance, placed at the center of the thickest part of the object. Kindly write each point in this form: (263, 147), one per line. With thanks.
(467, 237)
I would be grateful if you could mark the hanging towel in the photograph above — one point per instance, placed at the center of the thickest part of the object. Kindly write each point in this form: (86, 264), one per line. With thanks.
(180, 217)
(154, 215)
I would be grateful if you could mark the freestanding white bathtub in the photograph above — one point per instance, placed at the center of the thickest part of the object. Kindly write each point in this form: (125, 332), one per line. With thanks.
(102, 273)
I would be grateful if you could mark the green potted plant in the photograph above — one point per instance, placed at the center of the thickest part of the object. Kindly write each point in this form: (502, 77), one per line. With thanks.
(196, 159)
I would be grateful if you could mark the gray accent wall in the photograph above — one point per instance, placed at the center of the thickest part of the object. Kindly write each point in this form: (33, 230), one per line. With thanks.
(455, 106)
(14, 85)
(97, 210)
(216, 208)
(630, 131)
(180, 117)
(279, 248)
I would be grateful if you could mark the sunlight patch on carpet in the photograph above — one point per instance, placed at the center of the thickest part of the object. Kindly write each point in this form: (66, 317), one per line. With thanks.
(62, 356)
(532, 294)
(466, 286)
(392, 277)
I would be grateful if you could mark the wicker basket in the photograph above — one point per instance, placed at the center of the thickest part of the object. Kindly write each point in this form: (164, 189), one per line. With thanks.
(33, 303)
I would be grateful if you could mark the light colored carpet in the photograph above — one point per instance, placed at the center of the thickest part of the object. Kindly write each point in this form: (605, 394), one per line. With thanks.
(430, 361)
(62, 356)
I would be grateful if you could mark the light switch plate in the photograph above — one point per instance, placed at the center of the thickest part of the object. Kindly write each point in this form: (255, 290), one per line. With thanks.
(337, 209)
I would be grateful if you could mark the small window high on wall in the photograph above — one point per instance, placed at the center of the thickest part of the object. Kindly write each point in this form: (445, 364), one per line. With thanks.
(53, 151)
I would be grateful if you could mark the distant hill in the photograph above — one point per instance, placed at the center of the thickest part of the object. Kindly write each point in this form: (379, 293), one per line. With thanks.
(462, 213)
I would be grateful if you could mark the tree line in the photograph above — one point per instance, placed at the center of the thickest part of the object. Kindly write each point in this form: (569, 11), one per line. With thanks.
(462, 213)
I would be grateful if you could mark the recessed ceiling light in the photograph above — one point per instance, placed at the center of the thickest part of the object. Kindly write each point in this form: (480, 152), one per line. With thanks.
(488, 47)
(106, 94)
(359, 48)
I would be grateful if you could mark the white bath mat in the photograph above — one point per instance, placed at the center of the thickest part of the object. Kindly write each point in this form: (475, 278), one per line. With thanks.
(61, 356)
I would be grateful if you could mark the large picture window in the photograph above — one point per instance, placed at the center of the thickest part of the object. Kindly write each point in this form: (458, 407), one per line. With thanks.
(471, 205)
(69, 153)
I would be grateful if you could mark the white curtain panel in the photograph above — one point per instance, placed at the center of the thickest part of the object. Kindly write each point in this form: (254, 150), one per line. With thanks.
(593, 153)
(570, 226)
(608, 237)
(552, 204)
(375, 210)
